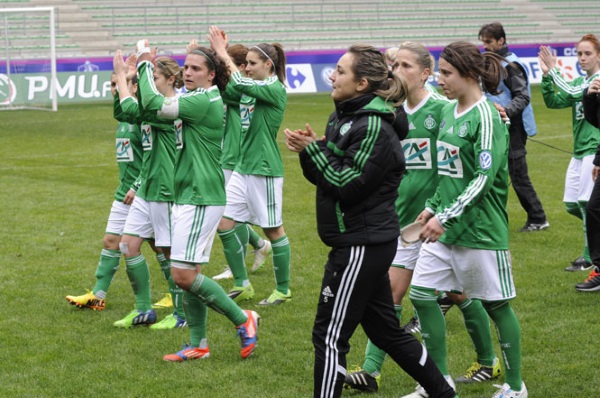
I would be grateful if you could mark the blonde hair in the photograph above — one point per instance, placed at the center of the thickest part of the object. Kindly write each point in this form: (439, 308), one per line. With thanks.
(169, 67)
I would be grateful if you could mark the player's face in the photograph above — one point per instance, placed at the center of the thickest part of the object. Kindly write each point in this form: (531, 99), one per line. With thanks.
(196, 73)
(491, 44)
(407, 66)
(343, 80)
(256, 68)
(113, 84)
(163, 85)
(450, 80)
(588, 57)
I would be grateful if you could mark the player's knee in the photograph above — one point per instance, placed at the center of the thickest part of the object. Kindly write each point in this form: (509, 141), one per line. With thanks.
(124, 247)
(422, 297)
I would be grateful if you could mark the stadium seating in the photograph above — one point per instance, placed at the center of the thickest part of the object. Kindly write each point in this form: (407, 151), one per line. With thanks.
(98, 27)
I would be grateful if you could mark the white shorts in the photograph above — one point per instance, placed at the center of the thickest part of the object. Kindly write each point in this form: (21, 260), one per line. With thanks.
(578, 182)
(255, 199)
(194, 229)
(406, 257)
(117, 217)
(227, 174)
(150, 219)
(482, 274)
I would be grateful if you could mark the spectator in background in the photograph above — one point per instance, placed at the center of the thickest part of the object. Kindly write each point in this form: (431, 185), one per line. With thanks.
(514, 99)
(559, 94)
(591, 111)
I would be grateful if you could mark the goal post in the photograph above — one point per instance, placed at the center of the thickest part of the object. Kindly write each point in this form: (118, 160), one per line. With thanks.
(29, 57)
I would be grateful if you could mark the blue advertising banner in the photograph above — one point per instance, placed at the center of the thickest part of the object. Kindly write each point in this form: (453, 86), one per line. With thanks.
(85, 79)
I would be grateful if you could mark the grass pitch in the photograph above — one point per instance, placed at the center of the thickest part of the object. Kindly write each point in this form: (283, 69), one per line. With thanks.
(57, 177)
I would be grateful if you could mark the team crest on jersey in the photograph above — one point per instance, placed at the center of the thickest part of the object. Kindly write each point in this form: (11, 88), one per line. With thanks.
(345, 127)
(417, 153)
(124, 150)
(485, 160)
(429, 122)
(146, 136)
(464, 129)
(448, 159)
(178, 133)
(131, 128)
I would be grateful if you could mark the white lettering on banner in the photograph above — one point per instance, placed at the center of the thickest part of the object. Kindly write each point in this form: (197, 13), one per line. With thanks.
(37, 84)
(93, 93)
(106, 89)
(69, 87)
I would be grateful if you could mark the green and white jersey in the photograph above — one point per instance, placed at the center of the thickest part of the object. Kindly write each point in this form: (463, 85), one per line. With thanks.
(559, 94)
(238, 113)
(128, 147)
(198, 175)
(420, 153)
(259, 152)
(472, 158)
(155, 182)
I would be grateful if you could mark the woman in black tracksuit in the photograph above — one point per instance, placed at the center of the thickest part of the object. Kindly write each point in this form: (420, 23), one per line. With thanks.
(357, 169)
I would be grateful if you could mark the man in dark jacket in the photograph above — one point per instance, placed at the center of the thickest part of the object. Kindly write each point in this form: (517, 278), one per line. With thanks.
(514, 99)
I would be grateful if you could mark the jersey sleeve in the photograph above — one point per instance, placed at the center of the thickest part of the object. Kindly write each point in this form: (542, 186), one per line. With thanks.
(268, 91)
(231, 96)
(151, 101)
(559, 93)
(126, 110)
(490, 153)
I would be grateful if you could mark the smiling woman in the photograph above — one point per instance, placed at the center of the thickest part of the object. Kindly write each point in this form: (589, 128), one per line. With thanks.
(357, 168)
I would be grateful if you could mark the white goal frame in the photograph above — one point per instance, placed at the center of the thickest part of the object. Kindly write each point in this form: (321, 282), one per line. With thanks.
(4, 12)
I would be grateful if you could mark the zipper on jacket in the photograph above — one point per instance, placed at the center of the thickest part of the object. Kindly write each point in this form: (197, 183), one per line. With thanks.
(340, 217)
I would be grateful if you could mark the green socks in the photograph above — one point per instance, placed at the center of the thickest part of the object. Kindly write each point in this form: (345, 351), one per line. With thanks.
(253, 237)
(213, 295)
(433, 325)
(478, 326)
(281, 263)
(196, 314)
(509, 334)
(235, 242)
(139, 277)
(176, 291)
(105, 271)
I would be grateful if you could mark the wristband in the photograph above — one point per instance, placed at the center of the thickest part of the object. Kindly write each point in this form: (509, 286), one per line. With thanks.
(142, 48)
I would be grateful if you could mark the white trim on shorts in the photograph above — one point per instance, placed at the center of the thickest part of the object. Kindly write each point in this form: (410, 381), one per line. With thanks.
(578, 180)
(255, 199)
(482, 274)
(194, 229)
(150, 219)
(117, 217)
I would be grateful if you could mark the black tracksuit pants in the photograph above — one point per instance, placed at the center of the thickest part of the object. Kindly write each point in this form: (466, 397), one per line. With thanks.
(519, 177)
(592, 223)
(356, 290)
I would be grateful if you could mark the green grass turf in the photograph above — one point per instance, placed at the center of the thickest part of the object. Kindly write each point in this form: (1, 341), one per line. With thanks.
(57, 178)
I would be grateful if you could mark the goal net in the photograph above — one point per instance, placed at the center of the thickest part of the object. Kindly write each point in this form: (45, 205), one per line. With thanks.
(28, 61)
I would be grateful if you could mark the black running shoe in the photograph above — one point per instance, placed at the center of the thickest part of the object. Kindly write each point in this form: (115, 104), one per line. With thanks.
(592, 283)
(580, 264)
(361, 380)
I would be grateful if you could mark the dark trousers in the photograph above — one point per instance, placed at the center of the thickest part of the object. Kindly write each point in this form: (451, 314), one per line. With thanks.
(592, 223)
(356, 290)
(519, 176)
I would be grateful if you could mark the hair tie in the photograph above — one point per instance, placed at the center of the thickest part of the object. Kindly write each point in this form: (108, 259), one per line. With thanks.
(200, 52)
(265, 54)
